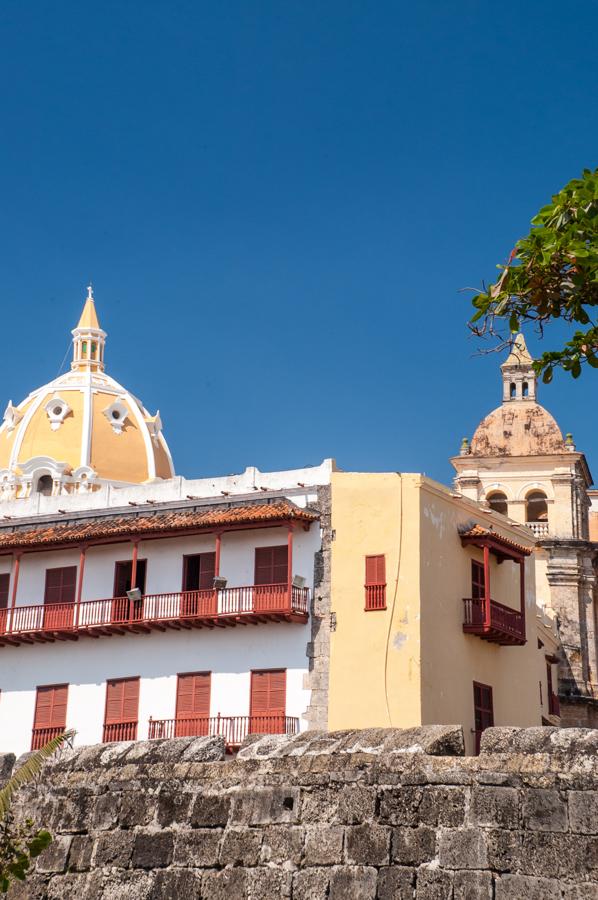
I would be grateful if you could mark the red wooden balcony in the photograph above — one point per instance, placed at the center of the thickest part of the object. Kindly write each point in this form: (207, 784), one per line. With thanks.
(41, 736)
(154, 612)
(234, 729)
(120, 731)
(498, 624)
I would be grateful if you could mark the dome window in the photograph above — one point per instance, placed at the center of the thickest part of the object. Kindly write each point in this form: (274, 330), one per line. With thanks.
(498, 502)
(116, 414)
(45, 485)
(57, 410)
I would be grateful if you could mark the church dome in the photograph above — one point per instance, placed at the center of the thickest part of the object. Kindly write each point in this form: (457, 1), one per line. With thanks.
(81, 430)
(518, 429)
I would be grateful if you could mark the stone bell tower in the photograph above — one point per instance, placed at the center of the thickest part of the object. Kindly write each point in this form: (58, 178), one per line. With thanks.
(520, 465)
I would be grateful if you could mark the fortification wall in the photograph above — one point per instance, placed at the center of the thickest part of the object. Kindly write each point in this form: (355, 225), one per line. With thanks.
(371, 815)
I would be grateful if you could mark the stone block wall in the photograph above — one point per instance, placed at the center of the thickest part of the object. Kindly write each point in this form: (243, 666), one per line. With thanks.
(373, 815)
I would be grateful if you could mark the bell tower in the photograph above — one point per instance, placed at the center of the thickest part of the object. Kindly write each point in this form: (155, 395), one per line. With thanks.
(89, 340)
(518, 375)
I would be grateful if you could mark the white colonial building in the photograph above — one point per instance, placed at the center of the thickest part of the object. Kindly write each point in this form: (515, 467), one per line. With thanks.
(134, 603)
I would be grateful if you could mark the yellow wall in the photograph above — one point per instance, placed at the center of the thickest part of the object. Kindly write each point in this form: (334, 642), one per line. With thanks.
(63, 444)
(120, 457)
(369, 686)
(411, 663)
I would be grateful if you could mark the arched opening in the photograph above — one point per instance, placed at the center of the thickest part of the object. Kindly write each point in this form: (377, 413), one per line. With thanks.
(536, 507)
(525, 389)
(44, 485)
(512, 390)
(498, 502)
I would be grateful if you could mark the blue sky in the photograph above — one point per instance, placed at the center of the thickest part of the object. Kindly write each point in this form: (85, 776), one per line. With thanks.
(279, 205)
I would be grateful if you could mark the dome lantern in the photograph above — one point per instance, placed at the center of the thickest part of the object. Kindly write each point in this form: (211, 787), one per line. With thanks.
(518, 375)
(89, 340)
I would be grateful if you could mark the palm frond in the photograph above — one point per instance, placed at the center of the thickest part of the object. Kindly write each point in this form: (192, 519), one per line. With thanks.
(30, 769)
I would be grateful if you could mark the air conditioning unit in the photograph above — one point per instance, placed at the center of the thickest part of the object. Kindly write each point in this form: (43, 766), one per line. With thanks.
(219, 582)
(298, 581)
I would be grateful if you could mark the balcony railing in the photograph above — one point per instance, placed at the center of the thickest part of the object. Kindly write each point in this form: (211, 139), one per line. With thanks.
(504, 626)
(276, 602)
(375, 596)
(540, 529)
(41, 736)
(234, 729)
(120, 731)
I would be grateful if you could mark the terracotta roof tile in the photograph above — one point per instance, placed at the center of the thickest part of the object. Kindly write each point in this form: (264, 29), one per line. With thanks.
(155, 523)
(480, 531)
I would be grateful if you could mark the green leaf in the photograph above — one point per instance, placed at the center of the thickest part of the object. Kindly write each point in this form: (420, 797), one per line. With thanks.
(547, 376)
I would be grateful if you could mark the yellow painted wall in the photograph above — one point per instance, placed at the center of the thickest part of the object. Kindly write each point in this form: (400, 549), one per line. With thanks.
(63, 444)
(374, 656)
(120, 457)
(7, 439)
(411, 663)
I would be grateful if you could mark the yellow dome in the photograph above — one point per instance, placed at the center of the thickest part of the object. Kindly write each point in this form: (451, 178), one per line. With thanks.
(81, 430)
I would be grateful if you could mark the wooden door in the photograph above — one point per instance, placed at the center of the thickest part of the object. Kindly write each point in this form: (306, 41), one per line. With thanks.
(267, 708)
(193, 704)
(59, 597)
(4, 593)
(198, 584)
(49, 718)
(123, 610)
(483, 710)
(122, 709)
(271, 577)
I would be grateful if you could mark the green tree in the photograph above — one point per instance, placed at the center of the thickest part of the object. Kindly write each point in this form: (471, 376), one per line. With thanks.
(552, 273)
(21, 842)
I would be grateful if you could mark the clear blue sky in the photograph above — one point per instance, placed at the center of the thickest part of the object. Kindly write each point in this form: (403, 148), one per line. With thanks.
(278, 204)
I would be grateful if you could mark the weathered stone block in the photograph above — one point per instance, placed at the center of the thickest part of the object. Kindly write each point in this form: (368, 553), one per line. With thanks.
(173, 806)
(136, 809)
(152, 849)
(462, 848)
(106, 812)
(396, 883)
(413, 846)
(282, 843)
(434, 884)
(442, 806)
(504, 849)
(368, 845)
(176, 884)
(266, 806)
(198, 848)
(121, 885)
(240, 847)
(55, 857)
(355, 803)
(311, 884)
(228, 884)
(583, 811)
(400, 805)
(544, 810)
(557, 856)
(210, 810)
(323, 845)
(80, 853)
(353, 883)
(494, 807)
(267, 884)
(473, 886)
(580, 891)
(76, 887)
(520, 887)
(113, 848)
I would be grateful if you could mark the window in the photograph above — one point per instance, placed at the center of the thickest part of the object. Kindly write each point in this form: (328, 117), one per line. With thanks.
(193, 703)
(512, 391)
(122, 577)
(525, 389)
(536, 507)
(49, 718)
(268, 701)
(198, 571)
(4, 589)
(375, 582)
(272, 565)
(478, 580)
(498, 502)
(59, 597)
(483, 710)
(94, 348)
(122, 704)
(44, 485)
(84, 348)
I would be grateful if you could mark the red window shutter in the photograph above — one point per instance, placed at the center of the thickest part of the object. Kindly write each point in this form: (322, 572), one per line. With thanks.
(193, 695)
(375, 569)
(122, 700)
(130, 700)
(114, 701)
(272, 565)
(207, 570)
(50, 706)
(4, 589)
(268, 692)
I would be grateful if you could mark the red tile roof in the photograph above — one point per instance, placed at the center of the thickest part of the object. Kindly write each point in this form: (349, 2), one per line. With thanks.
(478, 531)
(153, 524)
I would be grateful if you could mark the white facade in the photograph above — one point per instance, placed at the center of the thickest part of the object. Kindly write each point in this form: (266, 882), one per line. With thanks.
(230, 654)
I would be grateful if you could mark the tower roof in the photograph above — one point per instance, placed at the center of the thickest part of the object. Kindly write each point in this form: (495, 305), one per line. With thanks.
(89, 316)
(519, 355)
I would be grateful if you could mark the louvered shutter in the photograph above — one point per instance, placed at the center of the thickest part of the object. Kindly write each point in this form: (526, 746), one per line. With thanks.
(130, 700)
(50, 706)
(268, 692)
(272, 565)
(207, 570)
(193, 695)
(278, 691)
(114, 701)
(61, 585)
(375, 570)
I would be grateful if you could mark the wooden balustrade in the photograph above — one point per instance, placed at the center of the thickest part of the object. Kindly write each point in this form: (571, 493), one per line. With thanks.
(274, 601)
(41, 736)
(375, 596)
(234, 729)
(120, 731)
(500, 624)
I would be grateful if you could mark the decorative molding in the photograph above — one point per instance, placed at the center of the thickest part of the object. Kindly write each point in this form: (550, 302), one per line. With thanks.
(116, 413)
(57, 410)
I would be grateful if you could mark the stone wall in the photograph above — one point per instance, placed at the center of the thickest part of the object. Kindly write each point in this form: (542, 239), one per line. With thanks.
(371, 815)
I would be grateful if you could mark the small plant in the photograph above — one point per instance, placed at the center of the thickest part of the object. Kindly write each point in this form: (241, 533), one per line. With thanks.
(21, 842)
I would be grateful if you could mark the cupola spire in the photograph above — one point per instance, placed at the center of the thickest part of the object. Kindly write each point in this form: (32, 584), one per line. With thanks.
(89, 340)
(518, 375)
